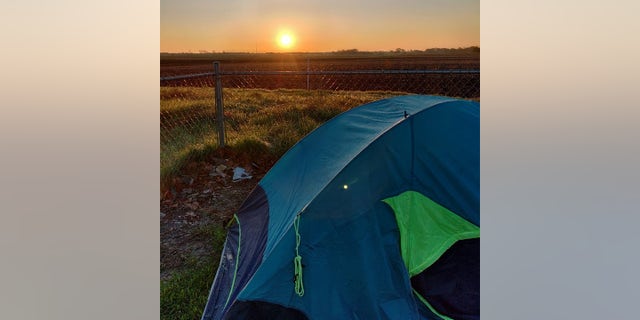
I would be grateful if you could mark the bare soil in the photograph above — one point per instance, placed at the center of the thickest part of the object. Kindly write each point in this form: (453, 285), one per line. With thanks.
(199, 199)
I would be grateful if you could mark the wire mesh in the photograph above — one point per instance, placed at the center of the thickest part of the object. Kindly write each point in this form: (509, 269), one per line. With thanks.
(187, 119)
(187, 104)
(453, 83)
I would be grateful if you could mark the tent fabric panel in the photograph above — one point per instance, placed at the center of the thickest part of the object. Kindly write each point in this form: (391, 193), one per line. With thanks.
(314, 161)
(425, 311)
(376, 173)
(222, 284)
(442, 270)
(427, 229)
(338, 232)
(355, 272)
(351, 234)
(260, 310)
(447, 137)
(452, 284)
(246, 238)
(382, 169)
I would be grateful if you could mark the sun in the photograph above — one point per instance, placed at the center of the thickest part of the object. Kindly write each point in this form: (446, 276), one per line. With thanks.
(285, 40)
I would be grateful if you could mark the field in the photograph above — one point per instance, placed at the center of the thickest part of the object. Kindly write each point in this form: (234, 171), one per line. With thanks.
(187, 116)
(183, 63)
(264, 117)
(266, 120)
(318, 65)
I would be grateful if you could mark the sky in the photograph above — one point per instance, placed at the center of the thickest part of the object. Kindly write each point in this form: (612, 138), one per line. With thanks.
(317, 25)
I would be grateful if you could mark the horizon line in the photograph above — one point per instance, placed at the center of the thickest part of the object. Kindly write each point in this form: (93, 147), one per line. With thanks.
(345, 51)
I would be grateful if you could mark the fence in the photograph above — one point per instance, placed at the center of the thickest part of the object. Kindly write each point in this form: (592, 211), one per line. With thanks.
(192, 110)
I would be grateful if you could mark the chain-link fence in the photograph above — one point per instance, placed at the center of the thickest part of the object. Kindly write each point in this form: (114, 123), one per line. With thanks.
(189, 112)
(187, 120)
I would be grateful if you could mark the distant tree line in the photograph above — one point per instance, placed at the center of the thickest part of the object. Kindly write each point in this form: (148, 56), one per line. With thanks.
(343, 52)
(472, 49)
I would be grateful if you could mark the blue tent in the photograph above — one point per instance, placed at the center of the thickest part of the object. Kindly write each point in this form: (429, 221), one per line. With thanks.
(373, 215)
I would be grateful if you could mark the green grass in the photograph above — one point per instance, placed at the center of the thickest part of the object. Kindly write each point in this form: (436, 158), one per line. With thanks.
(256, 121)
(184, 295)
(259, 123)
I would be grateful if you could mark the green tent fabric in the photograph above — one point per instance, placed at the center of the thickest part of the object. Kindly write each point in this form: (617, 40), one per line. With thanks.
(416, 213)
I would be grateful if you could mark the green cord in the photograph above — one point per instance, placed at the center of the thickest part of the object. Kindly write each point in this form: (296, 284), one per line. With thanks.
(235, 271)
(297, 261)
(430, 307)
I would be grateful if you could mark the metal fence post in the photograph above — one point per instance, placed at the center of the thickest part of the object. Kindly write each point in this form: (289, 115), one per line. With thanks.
(307, 73)
(219, 109)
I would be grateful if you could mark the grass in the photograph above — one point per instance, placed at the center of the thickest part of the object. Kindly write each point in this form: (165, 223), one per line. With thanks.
(259, 123)
(256, 121)
(184, 295)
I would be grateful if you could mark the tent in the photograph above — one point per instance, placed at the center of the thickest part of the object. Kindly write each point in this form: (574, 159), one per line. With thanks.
(373, 215)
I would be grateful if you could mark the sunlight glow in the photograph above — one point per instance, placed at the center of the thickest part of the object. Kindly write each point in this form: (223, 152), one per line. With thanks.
(285, 40)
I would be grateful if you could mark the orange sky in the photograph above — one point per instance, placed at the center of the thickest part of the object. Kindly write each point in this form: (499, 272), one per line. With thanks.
(317, 26)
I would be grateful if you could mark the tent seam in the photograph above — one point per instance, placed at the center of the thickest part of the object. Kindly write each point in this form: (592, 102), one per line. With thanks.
(235, 271)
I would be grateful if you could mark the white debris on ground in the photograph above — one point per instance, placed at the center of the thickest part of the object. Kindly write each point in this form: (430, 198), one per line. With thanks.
(240, 174)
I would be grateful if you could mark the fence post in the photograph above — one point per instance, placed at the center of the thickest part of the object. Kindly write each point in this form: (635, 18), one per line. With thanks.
(219, 109)
(307, 73)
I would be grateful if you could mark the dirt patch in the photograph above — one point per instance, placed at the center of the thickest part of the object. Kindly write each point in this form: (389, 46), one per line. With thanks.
(198, 199)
